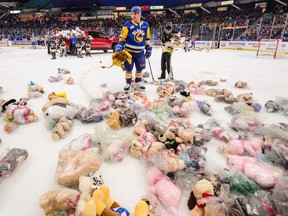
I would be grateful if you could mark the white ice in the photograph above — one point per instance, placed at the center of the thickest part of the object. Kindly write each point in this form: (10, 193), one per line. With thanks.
(20, 192)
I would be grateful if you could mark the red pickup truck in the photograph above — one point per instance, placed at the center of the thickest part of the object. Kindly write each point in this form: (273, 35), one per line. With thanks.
(100, 41)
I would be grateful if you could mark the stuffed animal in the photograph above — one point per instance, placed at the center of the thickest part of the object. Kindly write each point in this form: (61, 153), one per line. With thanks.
(69, 81)
(64, 200)
(34, 90)
(54, 95)
(85, 187)
(17, 114)
(245, 97)
(208, 82)
(101, 208)
(58, 115)
(148, 124)
(263, 174)
(202, 190)
(141, 209)
(114, 119)
(119, 58)
(147, 148)
(240, 84)
(121, 117)
(164, 189)
(73, 164)
(10, 161)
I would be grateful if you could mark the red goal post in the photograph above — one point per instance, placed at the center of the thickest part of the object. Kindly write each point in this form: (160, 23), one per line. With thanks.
(270, 47)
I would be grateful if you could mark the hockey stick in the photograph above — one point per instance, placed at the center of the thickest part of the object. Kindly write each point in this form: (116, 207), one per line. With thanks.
(151, 70)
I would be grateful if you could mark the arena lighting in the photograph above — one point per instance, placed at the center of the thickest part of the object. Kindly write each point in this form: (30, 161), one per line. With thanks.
(205, 10)
(236, 6)
(15, 11)
(283, 3)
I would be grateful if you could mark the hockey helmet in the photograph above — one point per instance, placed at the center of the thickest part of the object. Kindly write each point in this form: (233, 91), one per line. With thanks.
(136, 9)
(168, 29)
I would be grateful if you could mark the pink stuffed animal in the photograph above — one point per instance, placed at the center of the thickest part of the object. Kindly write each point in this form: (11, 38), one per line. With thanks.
(263, 174)
(239, 147)
(164, 189)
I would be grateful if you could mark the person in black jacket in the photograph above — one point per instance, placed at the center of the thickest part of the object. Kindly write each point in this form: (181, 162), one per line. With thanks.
(169, 37)
(53, 47)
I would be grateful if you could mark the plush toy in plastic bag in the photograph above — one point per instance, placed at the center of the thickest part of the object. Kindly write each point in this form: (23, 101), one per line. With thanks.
(63, 200)
(73, 164)
(164, 189)
(113, 145)
(11, 161)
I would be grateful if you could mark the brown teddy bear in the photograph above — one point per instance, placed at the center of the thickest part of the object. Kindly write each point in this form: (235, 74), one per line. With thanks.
(114, 119)
(245, 97)
(165, 159)
(240, 84)
(72, 164)
(64, 200)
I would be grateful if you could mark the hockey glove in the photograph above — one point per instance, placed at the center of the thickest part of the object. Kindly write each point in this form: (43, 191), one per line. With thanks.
(119, 47)
(148, 52)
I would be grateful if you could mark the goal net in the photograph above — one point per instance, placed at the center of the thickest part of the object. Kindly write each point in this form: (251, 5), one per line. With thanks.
(270, 47)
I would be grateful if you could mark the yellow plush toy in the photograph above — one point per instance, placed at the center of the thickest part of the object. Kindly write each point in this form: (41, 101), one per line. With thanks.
(141, 209)
(114, 120)
(119, 58)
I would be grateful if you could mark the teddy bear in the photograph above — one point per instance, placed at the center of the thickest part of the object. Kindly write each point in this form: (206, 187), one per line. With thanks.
(166, 90)
(58, 115)
(34, 90)
(63, 200)
(114, 119)
(72, 164)
(85, 187)
(225, 96)
(148, 124)
(164, 189)
(208, 82)
(240, 84)
(121, 117)
(245, 97)
(201, 191)
(175, 135)
(263, 174)
(155, 152)
(70, 81)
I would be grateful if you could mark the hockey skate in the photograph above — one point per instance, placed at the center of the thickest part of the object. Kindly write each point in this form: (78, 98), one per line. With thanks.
(127, 87)
(138, 87)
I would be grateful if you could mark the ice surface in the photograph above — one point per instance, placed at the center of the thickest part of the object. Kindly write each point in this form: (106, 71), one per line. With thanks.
(20, 192)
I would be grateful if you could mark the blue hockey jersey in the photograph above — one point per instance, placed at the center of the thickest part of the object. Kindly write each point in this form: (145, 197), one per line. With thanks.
(135, 36)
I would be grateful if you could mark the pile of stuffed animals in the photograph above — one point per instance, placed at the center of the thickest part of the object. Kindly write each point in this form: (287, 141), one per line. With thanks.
(160, 134)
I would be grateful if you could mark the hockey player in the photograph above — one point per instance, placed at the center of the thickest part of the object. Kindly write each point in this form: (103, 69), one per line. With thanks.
(79, 46)
(169, 38)
(88, 46)
(187, 45)
(53, 47)
(62, 42)
(135, 38)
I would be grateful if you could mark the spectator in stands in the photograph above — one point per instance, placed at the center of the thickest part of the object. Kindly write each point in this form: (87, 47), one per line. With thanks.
(135, 38)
